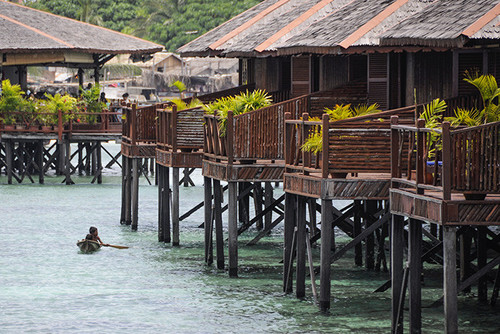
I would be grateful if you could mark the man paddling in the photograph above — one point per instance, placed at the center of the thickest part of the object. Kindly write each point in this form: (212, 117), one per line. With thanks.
(94, 235)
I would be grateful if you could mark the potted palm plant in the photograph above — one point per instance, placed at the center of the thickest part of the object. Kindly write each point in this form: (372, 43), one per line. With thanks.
(11, 102)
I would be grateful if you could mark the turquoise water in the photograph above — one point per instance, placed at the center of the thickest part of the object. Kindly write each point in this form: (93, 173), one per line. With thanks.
(47, 286)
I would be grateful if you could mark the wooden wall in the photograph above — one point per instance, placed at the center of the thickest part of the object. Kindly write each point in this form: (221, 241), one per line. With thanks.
(268, 73)
(433, 73)
(301, 75)
(334, 72)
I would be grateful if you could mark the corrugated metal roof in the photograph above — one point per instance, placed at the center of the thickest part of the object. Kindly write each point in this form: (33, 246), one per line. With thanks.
(24, 29)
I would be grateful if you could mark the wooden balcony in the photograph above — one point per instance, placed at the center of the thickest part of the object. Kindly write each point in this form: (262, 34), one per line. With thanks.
(358, 151)
(460, 185)
(180, 137)
(139, 131)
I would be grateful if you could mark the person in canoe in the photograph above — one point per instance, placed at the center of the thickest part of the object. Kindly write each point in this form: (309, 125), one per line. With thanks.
(94, 235)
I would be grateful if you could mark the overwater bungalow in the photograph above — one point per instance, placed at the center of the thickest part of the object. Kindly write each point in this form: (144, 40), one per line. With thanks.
(406, 53)
(31, 37)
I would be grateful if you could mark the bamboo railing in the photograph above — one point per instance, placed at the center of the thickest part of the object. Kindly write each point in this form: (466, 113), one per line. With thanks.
(139, 124)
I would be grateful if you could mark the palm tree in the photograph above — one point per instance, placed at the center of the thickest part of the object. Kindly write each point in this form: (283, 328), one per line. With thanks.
(87, 12)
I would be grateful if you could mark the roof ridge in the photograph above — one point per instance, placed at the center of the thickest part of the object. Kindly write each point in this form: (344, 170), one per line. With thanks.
(289, 27)
(365, 28)
(482, 21)
(247, 24)
(36, 31)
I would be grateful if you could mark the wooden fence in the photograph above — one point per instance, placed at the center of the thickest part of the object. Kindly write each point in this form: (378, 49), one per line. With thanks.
(139, 124)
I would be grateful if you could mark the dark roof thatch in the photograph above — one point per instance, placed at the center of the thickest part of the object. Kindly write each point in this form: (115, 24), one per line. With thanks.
(24, 29)
(277, 27)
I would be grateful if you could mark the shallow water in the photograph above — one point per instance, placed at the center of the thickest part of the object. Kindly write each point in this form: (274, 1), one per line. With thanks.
(47, 286)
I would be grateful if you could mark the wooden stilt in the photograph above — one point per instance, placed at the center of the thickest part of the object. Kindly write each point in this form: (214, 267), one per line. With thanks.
(161, 191)
(219, 238)
(61, 158)
(209, 216)
(496, 288)
(93, 161)
(257, 201)
(450, 280)
(465, 247)
(482, 248)
(99, 162)
(80, 159)
(300, 280)
(9, 159)
(166, 205)
(326, 246)
(244, 202)
(358, 250)
(175, 206)
(135, 193)
(415, 265)
(233, 229)
(41, 174)
(67, 162)
(290, 217)
(370, 207)
(268, 198)
(128, 191)
(397, 252)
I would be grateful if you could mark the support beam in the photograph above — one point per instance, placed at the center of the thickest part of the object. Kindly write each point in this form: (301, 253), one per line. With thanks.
(135, 193)
(219, 238)
(209, 216)
(415, 265)
(290, 218)
(128, 191)
(300, 281)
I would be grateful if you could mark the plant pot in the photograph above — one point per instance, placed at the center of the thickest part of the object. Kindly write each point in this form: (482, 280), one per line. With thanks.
(46, 128)
(474, 196)
(338, 175)
(9, 127)
(428, 177)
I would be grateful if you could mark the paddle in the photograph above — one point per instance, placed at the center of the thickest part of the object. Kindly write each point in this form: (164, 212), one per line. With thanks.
(115, 246)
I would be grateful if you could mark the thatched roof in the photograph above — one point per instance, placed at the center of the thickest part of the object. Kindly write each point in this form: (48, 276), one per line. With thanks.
(447, 23)
(27, 30)
(279, 27)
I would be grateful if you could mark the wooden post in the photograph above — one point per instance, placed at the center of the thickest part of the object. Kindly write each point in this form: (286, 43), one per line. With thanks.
(257, 204)
(174, 129)
(358, 249)
(370, 206)
(128, 191)
(166, 205)
(415, 265)
(94, 159)
(41, 173)
(301, 248)
(420, 156)
(208, 215)
(465, 258)
(450, 280)
(268, 199)
(80, 159)
(135, 193)
(446, 174)
(99, 162)
(175, 206)
(290, 218)
(326, 245)
(325, 159)
(397, 252)
(219, 238)
(161, 192)
(395, 167)
(482, 249)
(9, 159)
(67, 162)
(233, 228)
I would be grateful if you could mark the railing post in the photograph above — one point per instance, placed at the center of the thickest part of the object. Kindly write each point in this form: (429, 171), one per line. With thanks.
(306, 156)
(325, 158)
(59, 125)
(229, 137)
(133, 122)
(446, 168)
(420, 155)
(395, 168)
(288, 139)
(174, 128)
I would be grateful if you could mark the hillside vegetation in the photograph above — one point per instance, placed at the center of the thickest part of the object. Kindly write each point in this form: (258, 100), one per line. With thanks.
(172, 23)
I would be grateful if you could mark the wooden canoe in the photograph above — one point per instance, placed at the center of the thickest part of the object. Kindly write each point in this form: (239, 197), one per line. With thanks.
(88, 246)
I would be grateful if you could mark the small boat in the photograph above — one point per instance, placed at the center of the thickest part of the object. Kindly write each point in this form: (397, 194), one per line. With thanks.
(88, 246)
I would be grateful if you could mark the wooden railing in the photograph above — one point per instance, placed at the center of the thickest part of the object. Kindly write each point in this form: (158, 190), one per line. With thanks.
(71, 123)
(253, 135)
(464, 160)
(139, 124)
(355, 145)
(181, 130)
